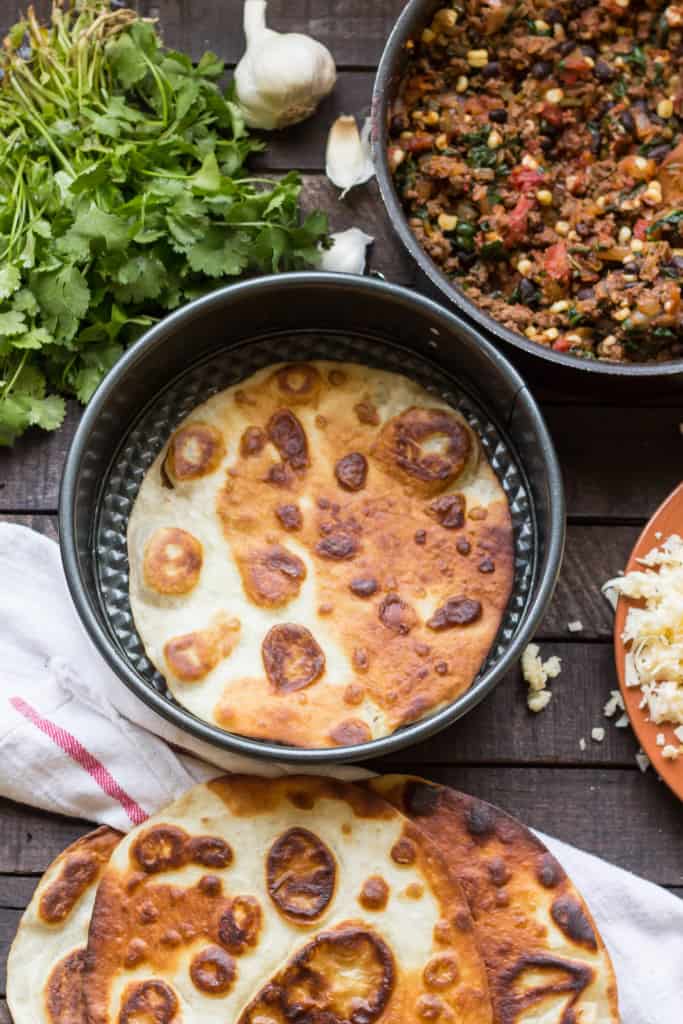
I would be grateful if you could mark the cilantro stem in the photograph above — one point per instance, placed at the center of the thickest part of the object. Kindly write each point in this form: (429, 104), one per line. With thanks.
(8, 387)
(38, 122)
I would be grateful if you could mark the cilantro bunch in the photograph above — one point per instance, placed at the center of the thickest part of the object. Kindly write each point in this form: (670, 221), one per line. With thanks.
(123, 193)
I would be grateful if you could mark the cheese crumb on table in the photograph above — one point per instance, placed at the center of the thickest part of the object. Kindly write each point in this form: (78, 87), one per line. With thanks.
(614, 704)
(622, 723)
(575, 627)
(582, 744)
(660, 739)
(598, 734)
(536, 674)
(643, 760)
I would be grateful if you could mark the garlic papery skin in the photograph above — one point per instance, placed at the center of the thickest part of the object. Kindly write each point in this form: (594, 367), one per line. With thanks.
(348, 253)
(348, 160)
(282, 77)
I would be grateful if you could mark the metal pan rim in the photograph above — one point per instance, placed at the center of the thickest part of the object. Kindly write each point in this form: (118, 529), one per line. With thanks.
(86, 607)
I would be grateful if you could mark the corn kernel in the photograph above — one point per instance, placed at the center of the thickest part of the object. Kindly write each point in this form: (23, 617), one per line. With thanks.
(431, 117)
(562, 227)
(462, 83)
(623, 4)
(559, 307)
(601, 202)
(554, 95)
(624, 235)
(621, 314)
(441, 141)
(665, 108)
(524, 267)
(407, 135)
(528, 161)
(428, 36)
(541, 26)
(637, 245)
(494, 140)
(446, 18)
(552, 334)
(531, 332)
(652, 194)
(447, 222)
(575, 339)
(477, 58)
(396, 157)
(544, 197)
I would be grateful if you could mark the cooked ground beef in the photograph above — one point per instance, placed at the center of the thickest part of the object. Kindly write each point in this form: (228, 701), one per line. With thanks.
(538, 149)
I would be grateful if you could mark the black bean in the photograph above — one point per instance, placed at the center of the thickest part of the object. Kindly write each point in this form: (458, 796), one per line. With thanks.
(603, 71)
(499, 115)
(659, 152)
(583, 5)
(596, 142)
(589, 51)
(584, 229)
(674, 264)
(546, 143)
(567, 47)
(542, 69)
(585, 293)
(467, 259)
(553, 16)
(492, 69)
(627, 122)
(630, 268)
(528, 293)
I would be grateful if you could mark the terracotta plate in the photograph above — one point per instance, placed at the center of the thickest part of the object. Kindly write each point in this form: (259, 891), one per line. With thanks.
(667, 519)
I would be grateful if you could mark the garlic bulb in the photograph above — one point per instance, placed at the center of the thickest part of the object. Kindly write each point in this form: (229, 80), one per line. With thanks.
(282, 77)
(348, 161)
(347, 254)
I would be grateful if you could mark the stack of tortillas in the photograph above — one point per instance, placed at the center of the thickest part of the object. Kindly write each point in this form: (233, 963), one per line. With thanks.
(311, 901)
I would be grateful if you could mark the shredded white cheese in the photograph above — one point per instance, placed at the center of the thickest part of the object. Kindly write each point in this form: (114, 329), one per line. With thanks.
(582, 744)
(661, 739)
(614, 704)
(653, 633)
(598, 734)
(622, 723)
(671, 753)
(536, 675)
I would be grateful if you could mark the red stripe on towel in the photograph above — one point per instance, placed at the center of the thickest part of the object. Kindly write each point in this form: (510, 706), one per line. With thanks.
(78, 753)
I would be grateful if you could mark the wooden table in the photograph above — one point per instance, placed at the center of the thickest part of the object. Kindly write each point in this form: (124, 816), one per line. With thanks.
(619, 460)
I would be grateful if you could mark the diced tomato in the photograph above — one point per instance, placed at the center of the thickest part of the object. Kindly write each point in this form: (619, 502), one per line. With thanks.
(552, 113)
(524, 179)
(420, 143)
(640, 229)
(574, 67)
(556, 262)
(518, 220)
(562, 345)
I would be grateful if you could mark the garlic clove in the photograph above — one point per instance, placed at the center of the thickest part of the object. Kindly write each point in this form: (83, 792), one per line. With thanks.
(282, 77)
(348, 158)
(348, 253)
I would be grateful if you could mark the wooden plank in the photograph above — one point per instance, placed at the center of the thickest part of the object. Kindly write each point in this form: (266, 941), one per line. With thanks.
(593, 555)
(502, 730)
(625, 817)
(618, 463)
(31, 839)
(354, 30)
(303, 145)
(16, 890)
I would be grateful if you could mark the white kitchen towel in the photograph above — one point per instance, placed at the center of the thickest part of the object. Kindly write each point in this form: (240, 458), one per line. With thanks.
(74, 740)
